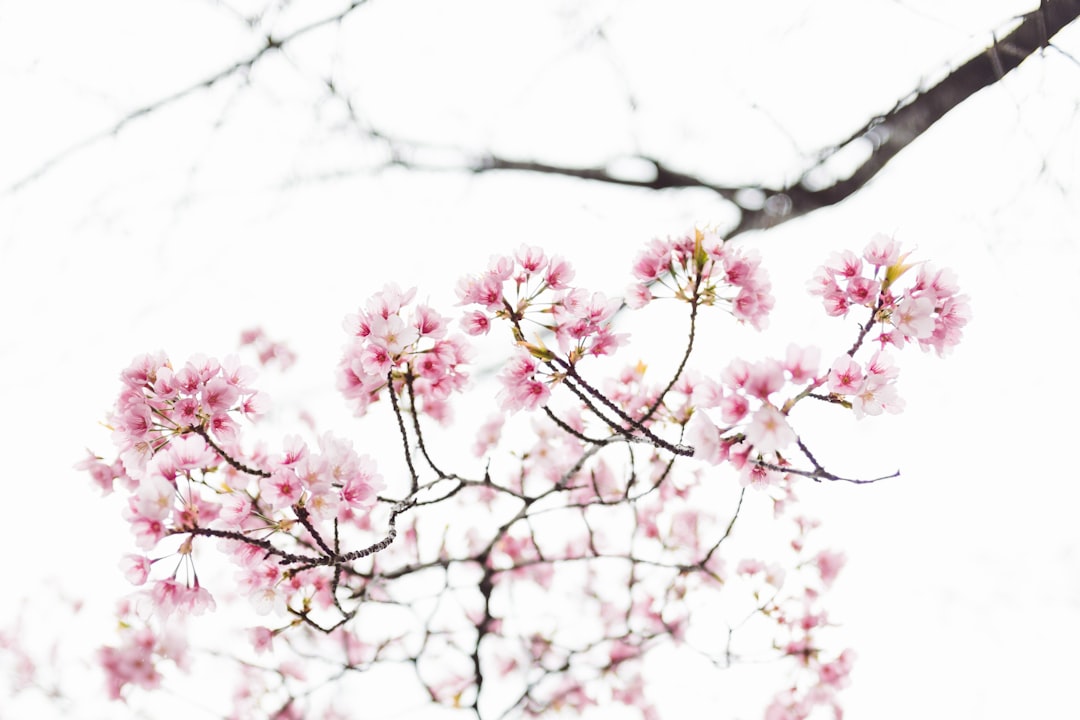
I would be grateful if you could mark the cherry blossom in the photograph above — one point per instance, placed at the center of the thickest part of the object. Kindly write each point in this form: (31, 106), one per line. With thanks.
(587, 508)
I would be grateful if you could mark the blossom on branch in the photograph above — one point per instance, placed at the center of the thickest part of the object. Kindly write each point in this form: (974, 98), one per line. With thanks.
(582, 545)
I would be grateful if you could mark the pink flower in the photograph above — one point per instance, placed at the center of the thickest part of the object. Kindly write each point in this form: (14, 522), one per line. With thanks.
(521, 389)
(375, 360)
(769, 430)
(191, 452)
(361, 488)
(389, 300)
(255, 405)
(164, 387)
(882, 251)
(223, 427)
(102, 474)
(500, 268)
(429, 323)
(392, 334)
(704, 437)
(429, 365)
(653, 261)
(167, 595)
(733, 408)
(836, 674)
(844, 263)
(863, 291)
(740, 269)
(313, 470)
(638, 296)
(236, 374)
(530, 258)
(758, 476)
(218, 395)
(185, 412)
(235, 509)
(753, 306)
(267, 599)
(476, 323)
(196, 600)
(143, 369)
(876, 395)
(881, 367)
(836, 303)
(802, 363)
(488, 435)
(764, 379)
(136, 568)
(526, 395)
(559, 273)
(736, 374)
(913, 317)
(148, 531)
(484, 290)
(131, 663)
(154, 497)
(706, 393)
(845, 377)
(261, 639)
(822, 282)
(282, 489)
(953, 315)
(357, 324)
(829, 564)
(605, 342)
(295, 450)
(749, 566)
(187, 380)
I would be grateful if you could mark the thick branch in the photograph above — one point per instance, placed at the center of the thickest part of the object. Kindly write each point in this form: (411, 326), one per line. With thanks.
(888, 134)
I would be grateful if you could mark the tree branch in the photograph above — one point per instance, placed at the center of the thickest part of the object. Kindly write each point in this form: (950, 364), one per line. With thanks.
(244, 64)
(888, 134)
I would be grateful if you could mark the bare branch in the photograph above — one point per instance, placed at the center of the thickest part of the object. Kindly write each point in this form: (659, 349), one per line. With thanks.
(888, 133)
(242, 65)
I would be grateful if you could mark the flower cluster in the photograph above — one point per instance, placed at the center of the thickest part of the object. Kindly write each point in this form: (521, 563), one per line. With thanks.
(389, 345)
(158, 404)
(755, 421)
(870, 390)
(698, 266)
(530, 286)
(268, 351)
(333, 483)
(800, 622)
(178, 444)
(930, 311)
(532, 273)
(595, 505)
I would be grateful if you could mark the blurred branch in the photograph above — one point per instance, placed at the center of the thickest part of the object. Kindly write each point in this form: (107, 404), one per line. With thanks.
(270, 43)
(759, 206)
(888, 134)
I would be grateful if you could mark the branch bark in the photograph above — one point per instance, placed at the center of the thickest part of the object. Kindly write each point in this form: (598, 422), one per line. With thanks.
(759, 206)
(888, 134)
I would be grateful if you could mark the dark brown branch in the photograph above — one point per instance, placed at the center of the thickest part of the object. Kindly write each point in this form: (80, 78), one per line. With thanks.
(819, 473)
(652, 438)
(888, 134)
(416, 427)
(664, 179)
(415, 480)
(685, 358)
(201, 432)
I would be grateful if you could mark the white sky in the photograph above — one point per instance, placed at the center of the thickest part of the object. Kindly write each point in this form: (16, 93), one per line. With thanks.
(249, 204)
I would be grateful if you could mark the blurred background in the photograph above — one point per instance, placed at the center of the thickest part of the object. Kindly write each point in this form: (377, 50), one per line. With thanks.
(172, 173)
